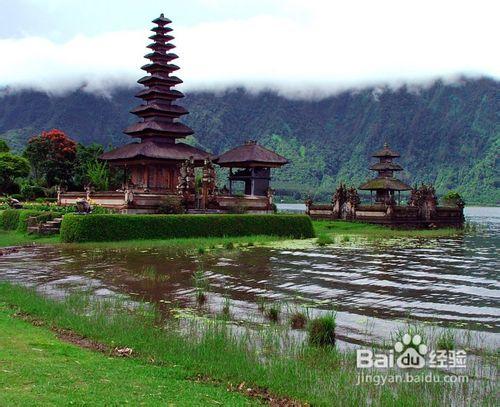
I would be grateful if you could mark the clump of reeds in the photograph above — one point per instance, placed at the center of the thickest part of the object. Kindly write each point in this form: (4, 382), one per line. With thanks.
(226, 308)
(229, 246)
(446, 340)
(201, 250)
(324, 240)
(321, 330)
(201, 285)
(273, 312)
(298, 320)
(150, 273)
(261, 304)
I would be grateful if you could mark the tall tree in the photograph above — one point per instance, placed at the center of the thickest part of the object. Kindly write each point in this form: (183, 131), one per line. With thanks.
(52, 157)
(12, 167)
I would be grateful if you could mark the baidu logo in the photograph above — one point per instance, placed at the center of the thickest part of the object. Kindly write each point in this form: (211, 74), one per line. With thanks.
(410, 352)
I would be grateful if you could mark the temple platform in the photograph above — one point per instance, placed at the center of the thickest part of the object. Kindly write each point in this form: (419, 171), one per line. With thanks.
(149, 203)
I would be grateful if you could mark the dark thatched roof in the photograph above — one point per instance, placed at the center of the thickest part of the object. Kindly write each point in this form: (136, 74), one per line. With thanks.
(160, 128)
(250, 155)
(386, 152)
(162, 20)
(156, 150)
(386, 166)
(385, 183)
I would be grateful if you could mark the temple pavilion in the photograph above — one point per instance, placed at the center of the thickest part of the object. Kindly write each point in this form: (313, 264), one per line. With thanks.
(385, 185)
(254, 164)
(152, 164)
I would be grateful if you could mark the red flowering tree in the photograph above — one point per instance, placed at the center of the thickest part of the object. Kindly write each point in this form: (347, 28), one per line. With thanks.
(52, 157)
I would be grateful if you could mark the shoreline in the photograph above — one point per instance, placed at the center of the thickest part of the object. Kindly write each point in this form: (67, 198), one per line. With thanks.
(332, 229)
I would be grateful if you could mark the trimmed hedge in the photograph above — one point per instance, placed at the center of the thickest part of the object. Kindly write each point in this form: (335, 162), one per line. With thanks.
(10, 219)
(93, 228)
(17, 219)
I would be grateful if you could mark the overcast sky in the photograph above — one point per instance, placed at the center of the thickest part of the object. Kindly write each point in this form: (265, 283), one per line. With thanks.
(299, 47)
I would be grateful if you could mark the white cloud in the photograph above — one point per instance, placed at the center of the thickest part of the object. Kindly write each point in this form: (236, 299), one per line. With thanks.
(314, 47)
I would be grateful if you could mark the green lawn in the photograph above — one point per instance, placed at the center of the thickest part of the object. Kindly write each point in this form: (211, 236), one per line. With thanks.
(14, 238)
(36, 368)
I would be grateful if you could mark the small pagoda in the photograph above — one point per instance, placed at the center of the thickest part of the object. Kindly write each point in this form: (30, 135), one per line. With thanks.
(254, 164)
(385, 185)
(152, 164)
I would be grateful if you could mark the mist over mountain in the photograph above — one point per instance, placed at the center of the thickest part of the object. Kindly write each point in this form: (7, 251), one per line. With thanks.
(447, 134)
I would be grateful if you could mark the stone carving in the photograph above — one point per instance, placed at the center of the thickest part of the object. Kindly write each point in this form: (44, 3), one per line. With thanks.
(425, 199)
(83, 206)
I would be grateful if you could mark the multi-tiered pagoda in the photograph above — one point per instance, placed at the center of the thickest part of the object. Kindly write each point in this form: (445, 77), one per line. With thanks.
(152, 164)
(385, 185)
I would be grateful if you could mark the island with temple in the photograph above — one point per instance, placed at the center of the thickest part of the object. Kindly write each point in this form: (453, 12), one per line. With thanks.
(387, 206)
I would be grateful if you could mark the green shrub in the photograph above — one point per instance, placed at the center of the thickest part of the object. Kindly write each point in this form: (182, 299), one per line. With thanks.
(324, 240)
(453, 198)
(31, 192)
(322, 330)
(88, 228)
(10, 219)
(17, 219)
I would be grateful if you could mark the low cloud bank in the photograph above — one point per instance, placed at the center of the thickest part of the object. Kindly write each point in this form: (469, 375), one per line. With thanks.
(326, 50)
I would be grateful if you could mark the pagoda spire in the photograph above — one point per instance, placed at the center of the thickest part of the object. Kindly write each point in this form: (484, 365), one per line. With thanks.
(158, 112)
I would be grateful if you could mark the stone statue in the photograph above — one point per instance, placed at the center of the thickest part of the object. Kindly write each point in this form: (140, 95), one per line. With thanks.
(339, 198)
(209, 178)
(182, 178)
(425, 199)
(83, 206)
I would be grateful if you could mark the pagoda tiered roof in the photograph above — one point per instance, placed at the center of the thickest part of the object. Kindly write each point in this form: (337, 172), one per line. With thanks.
(385, 180)
(156, 149)
(386, 152)
(159, 113)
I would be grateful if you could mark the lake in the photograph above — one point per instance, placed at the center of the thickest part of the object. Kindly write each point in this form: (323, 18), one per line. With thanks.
(375, 286)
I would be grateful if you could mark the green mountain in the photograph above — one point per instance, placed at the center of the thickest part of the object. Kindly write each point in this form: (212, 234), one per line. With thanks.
(447, 134)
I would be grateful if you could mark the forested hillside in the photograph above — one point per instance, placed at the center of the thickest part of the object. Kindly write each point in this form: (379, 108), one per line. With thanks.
(447, 134)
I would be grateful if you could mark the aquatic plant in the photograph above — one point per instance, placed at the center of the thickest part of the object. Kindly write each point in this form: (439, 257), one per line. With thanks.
(324, 240)
(201, 285)
(261, 304)
(229, 246)
(150, 273)
(446, 340)
(201, 250)
(321, 330)
(226, 307)
(273, 312)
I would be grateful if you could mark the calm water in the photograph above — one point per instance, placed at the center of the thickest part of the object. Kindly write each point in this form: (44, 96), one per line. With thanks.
(373, 285)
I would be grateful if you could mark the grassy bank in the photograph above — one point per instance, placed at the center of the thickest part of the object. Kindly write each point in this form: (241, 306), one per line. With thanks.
(321, 228)
(339, 227)
(37, 368)
(268, 358)
(15, 238)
